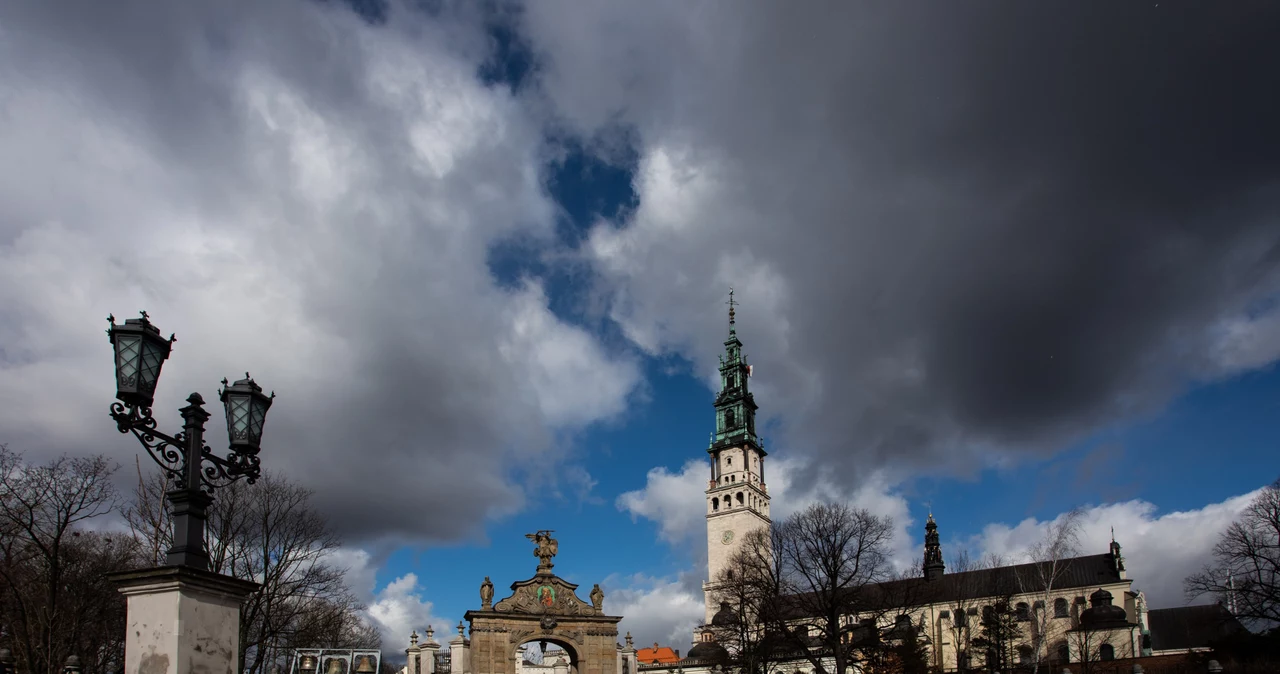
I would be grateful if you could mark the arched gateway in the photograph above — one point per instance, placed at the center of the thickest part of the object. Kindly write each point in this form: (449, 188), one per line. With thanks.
(545, 609)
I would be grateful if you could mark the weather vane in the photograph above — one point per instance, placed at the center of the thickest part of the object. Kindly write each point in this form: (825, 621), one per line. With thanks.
(731, 304)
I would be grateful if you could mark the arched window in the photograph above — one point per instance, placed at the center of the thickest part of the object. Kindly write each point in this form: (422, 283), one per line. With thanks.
(728, 461)
(728, 418)
(1064, 653)
(1106, 652)
(1060, 608)
(740, 499)
(1024, 655)
(715, 504)
(1023, 611)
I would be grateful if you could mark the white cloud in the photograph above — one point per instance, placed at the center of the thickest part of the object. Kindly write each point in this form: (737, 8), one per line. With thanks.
(1246, 342)
(673, 500)
(1160, 550)
(399, 609)
(572, 379)
(658, 610)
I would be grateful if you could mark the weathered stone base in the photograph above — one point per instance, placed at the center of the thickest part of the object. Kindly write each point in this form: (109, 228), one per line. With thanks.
(181, 620)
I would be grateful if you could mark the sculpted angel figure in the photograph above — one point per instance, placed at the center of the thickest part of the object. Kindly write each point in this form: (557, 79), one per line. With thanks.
(547, 548)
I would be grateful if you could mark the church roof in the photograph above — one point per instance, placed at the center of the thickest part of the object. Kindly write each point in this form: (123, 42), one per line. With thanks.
(1187, 627)
(659, 654)
(1088, 571)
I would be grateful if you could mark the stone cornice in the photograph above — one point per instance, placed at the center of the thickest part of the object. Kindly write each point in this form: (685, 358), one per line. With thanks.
(167, 578)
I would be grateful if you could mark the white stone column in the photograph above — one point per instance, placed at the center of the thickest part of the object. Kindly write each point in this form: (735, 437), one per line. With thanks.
(429, 651)
(181, 620)
(460, 653)
(413, 656)
(629, 657)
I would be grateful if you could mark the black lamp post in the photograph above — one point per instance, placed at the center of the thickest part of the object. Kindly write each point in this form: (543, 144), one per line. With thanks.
(140, 352)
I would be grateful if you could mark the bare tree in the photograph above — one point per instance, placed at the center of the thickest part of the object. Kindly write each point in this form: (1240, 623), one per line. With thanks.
(746, 588)
(822, 569)
(268, 532)
(55, 601)
(1245, 573)
(1087, 645)
(148, 515)
(1052, 557)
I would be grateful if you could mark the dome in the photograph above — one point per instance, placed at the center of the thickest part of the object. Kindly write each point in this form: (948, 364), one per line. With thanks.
(725, 616)
(708, 650)
(1101, 612)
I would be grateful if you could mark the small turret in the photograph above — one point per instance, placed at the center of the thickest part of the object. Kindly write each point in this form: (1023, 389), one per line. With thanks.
(1117, 559)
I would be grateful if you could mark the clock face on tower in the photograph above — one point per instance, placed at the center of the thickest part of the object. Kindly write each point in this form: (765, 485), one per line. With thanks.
(726, 537)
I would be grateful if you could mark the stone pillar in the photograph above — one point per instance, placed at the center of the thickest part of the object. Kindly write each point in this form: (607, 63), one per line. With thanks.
(181, 620)
(629, 664)
(460, 653)
(429, 651)
(561, 665)
(413, 655)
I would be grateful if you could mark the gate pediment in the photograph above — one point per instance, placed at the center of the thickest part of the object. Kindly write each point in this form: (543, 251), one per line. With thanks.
(545, 595)
(546, 608)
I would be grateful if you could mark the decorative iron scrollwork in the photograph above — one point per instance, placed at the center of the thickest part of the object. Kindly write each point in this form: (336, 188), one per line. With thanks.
(169, 452)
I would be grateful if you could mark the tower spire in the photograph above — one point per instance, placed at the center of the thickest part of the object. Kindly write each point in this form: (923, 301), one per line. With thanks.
(735, 406)
(731, 304)
(933, 564)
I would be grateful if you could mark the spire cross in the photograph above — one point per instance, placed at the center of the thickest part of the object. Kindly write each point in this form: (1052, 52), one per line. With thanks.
(731, 304)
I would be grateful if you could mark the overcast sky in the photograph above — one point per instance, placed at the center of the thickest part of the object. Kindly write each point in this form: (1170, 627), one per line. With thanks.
(996, 259)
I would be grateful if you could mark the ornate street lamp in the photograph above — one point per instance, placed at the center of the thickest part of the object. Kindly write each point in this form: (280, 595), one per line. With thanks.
(140, 352)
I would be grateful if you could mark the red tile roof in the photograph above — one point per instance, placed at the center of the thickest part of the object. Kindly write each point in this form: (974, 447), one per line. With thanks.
(656, 655)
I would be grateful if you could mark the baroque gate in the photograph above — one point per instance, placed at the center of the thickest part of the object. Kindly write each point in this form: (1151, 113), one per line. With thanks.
(543, 608)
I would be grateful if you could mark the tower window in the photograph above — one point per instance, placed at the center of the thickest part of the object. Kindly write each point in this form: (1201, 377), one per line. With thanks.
(728, 418)
(728, 461)
(740, 500)
(715, 504)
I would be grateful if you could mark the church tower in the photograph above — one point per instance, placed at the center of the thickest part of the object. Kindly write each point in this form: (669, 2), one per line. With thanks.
(933, 565)
(737, 499)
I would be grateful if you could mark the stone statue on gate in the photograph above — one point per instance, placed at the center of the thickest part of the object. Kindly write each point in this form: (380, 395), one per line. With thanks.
(547, 548)
(597, 597)
(486, 594)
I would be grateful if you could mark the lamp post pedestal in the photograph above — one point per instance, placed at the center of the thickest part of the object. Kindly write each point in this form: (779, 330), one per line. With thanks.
(181, 620)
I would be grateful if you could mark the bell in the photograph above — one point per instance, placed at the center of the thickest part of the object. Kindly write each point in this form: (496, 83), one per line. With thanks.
(336, 666)
(366, 665)
(307, 663)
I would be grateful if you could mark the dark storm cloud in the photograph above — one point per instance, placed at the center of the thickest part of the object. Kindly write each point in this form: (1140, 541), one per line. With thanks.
(969, 225)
